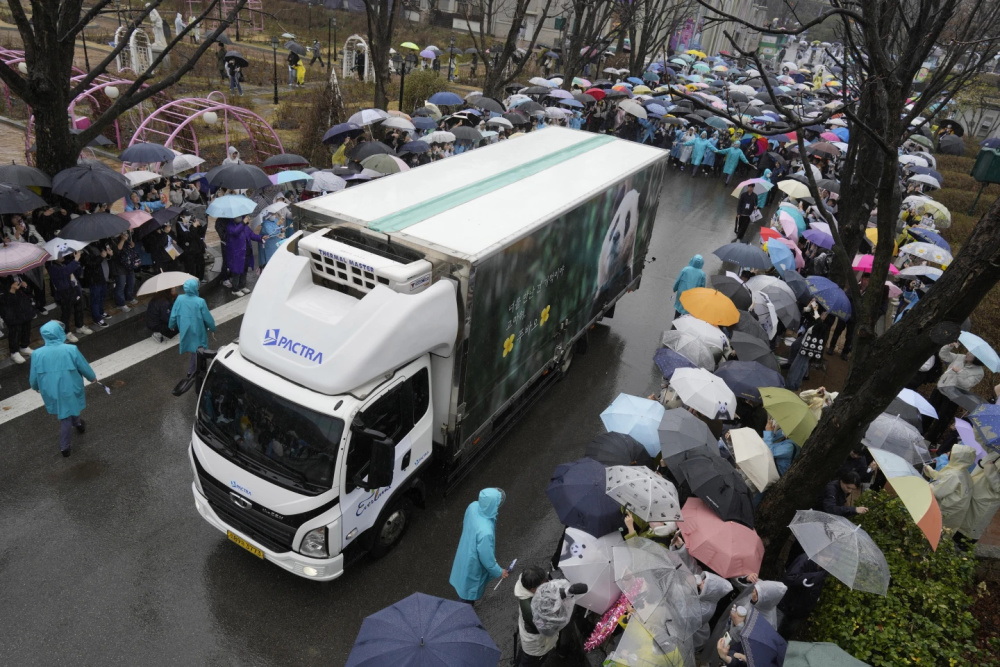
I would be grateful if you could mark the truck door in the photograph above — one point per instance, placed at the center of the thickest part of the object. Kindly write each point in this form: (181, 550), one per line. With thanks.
(403, 414)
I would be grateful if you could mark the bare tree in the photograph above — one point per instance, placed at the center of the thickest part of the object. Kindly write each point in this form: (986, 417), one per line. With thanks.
(588, 22)
(506, 64)
(648, 24)
(381, 16)
(49, 38)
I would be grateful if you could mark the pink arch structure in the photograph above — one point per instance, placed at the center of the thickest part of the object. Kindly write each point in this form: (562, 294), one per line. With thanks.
(173, 126)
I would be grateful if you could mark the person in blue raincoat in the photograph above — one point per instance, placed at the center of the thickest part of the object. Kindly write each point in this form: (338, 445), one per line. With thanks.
(648, 130)
(576, 120)
(690, 276)
(762, 197)
(190, 316)
(783, 449)
(272, 233)
(57, 372)
(475, 561)
(709, 161)
(699, 148)
(734, 155)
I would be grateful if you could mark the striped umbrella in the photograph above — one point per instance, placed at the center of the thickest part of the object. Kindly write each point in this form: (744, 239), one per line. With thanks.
(20, 257)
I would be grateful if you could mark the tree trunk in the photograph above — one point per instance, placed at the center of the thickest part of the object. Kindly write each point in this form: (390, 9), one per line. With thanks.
(49, 82)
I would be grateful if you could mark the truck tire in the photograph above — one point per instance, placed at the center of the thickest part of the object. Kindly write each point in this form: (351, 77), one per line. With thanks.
(391, 526)
(610, 312)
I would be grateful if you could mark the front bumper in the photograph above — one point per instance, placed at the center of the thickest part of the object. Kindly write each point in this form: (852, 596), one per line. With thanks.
(318, 569)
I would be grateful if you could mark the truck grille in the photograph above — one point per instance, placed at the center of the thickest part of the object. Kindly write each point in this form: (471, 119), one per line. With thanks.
(269, 533)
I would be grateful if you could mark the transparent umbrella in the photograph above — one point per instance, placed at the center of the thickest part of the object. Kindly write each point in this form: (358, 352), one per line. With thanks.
(642, 492)
(637, 648)
(896, 435)
(691, 347)
(711, 335)
(843, 549)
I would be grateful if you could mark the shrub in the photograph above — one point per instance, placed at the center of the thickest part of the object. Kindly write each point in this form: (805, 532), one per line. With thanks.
(924, 619)
(419, 86)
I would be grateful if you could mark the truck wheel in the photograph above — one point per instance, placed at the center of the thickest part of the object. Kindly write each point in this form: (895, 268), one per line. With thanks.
(610, 312)
(391, 527)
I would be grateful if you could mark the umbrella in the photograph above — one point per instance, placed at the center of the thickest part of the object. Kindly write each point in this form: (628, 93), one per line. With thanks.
(744, 255)
(822, 239)
(164, 281)
(906, 412)
(296, 48)
(137, 178)
(90, 183)
(745, 378)
(760, 186)
(782, 297)
(637, 646)
(962, 397)
(94, 226)
(339, 133)
(421, 631)
(792, 414)
(423, 123)
(146, 153)
(794, 189)
(761, 643)
(238, 57)
(409, 45)
(715, 481)
(843, 549)
(819, 654)
(17, 258)
(710, 306)
(416, 147)
(286, 160)
(930, 236)
(613, 449)
(324, 181)
(830, 296)
(914, 492)
(749, 325)
(927, 251)
(223, 38)
(690, 346)
(384, 164)
(951, 144)
(642, 492)
(440, 137)
(893, 434)
(289, 176)
(637, 417)
(709, 334)
(798, 285)
(864, 264)
(577, 493)
(180, 163)
(489, 104)
(730, 549)
(238, 177)
(231, 206)
(704, 392)
(731, 287)
(986, 419)
(586, 559)
(752, 348)
(465, 133)
(23, 175)
(633, 108)
(662, 590)
(753, 457)
(981, 350)
(19, 199)
(445, 98)
(669, 361)
(681, 432)
(58, 247)
(781, 257)
(967, 434)
(368, 148)
(368, 117)
(919, 402)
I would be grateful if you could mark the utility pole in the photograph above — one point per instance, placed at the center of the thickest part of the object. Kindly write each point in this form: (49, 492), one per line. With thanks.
(274, 55)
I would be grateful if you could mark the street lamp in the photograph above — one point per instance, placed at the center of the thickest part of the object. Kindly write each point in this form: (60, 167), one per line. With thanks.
(274, 53)
(331, 23)
(404, 65)
(310, 16)
(451, 57)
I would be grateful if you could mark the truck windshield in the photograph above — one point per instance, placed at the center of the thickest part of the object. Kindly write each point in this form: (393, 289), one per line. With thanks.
(266, 434)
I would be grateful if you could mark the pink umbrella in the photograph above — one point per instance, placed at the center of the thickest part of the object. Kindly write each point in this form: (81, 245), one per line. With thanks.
(863, 263)
(730, 549)
(788, 225)
(894, 291)
(800, 262)
(792, 136)
(136, 218)
(19, 257)
(829, 136)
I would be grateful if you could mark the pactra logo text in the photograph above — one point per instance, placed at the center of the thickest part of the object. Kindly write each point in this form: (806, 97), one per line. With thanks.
(273, 338)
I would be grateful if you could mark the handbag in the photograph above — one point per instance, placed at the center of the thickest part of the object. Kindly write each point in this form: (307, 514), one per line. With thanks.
(756, 215)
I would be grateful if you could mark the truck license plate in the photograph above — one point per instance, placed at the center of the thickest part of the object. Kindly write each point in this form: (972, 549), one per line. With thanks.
(233, 537)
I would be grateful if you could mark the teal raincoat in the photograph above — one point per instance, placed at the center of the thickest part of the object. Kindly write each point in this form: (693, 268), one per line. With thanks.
(733, 158)
(690, 276)
(190, 316)
(762, 197)
(57, 372)
(701, 145)
(475, 561)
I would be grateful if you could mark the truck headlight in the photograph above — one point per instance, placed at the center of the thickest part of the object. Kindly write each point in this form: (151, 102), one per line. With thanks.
(314, 543)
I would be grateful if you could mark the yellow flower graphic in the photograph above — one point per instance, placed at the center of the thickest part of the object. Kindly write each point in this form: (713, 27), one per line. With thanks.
(508, 345)
(545, 314)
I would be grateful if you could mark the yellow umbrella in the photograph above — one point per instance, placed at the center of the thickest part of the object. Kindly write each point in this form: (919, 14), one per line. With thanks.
(642, 90)
(794, 189)
(693, 52)
(710, 306)
(409, 45)
(872, 235)
(791, 412)
(753, 457)
(914, 492)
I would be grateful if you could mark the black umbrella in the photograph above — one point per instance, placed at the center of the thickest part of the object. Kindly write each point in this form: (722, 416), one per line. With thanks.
(530, 107)
(618, 449)
(577, 493)
(238, 57)
(469, 51)
(745, 255)
(368, 148)
(536, 90)
(735, 290)
(680, 431)
(749, 325)
(17, 199)
(777, 159)
(615, 95)
(147, 228)
(454, 50)
(285, 160)
(22, 174)
(488, 104)
(751, 348)
(516, 118)
(223, 38)
(463, 133)
(296, 48)
(167, 214)
(954, 125)
(951, 144)
(238, 177)
(146, 153)
(798, 285)
(906, 412)
(584, 98)
(745, 377)
(962, 398)
(349, 169)
(90, 183)
(93, 227)
(339, 133)
(715, 481)
(829, 184)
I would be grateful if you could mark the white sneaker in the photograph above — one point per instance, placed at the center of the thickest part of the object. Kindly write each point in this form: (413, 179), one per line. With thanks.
(71, 338)
(157, 336)
(227, 283)
(244, 292)
(126, 308)
(86, 331)
(18, 359)
(134, 301)
(237, 293)
(26, 351)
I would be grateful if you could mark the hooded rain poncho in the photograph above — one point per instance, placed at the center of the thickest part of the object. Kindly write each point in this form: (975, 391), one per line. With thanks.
(953, 486)
(551, 612)
(733, 158)
(57, 372)
(698, 148)
(190, 316)
(535, 644)
(475, 561)
(762, 197)
(715, 589)
(690, 276)
(985, 498)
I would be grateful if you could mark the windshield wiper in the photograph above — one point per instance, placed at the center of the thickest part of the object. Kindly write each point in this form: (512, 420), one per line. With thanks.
(298, 474)
(216, 435)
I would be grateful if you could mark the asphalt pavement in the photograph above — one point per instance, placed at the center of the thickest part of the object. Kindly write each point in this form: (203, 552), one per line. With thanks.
(105, 561)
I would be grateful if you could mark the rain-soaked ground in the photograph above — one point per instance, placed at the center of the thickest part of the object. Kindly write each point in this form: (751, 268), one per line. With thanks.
(104, 560)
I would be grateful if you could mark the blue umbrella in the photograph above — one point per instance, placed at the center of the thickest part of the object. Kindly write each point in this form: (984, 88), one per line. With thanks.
(339, 133)
(745, 255)
(930, 236)
(843, 133)
(656, 108)
(577, 493)
(424, 123)
(414, 147)
(980, 349)
(571, 103)
(424, 631)
(822, 239)
(986, 419)
(634, 80)
(670, 71)
(762, 645)
(446, 98)
(830, 296)
(992, 142)
(745, 378)
(637, 417)
(291, 175)
(917, 169)
(231, 206)
(796, 215)
(651, 77)
(669, 361)
(781, 256)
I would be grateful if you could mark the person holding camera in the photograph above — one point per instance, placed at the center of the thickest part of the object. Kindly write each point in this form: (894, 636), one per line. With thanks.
(534, 645)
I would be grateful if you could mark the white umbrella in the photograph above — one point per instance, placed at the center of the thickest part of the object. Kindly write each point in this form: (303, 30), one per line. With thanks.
(913, 160)
(929, 271)
(843, 549)
(502, 122)
(181, 163)
(58, 246)
(275, 207)
(632, 107)
(398, 123)
(794, 189)
(587, 560)
(753, 457)
(690, 347)
(821, 226)
(767, 316)
(164, 281)
(926, 179)
(911, 397)
(141, 176)
(711, 335)
(927, 251)
(539, 81)
(368, 117)
(706, 393)
(324, 181)
(440, 137)
(642, 492)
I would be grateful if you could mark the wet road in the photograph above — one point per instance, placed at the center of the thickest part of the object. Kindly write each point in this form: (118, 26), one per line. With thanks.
(104, 559)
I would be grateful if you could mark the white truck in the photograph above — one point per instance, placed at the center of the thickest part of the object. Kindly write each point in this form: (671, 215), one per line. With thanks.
(413, 327)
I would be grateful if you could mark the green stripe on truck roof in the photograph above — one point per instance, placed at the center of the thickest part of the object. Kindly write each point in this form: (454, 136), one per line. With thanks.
(417, 213)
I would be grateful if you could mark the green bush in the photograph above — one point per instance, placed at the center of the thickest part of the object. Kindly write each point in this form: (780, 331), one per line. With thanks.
(924, 619)
(420, 85)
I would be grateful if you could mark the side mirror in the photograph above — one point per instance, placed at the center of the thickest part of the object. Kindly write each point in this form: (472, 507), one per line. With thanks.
(378, 472)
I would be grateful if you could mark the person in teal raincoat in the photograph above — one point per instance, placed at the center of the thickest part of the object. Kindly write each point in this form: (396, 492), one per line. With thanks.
(734, 155)
(782, 448)
(190, 317)
(762, 197)
(690, 276)
(57, 372)
(699, 147)
(475, 561)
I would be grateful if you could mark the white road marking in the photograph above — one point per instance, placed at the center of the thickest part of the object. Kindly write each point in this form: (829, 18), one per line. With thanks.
(23, 403)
